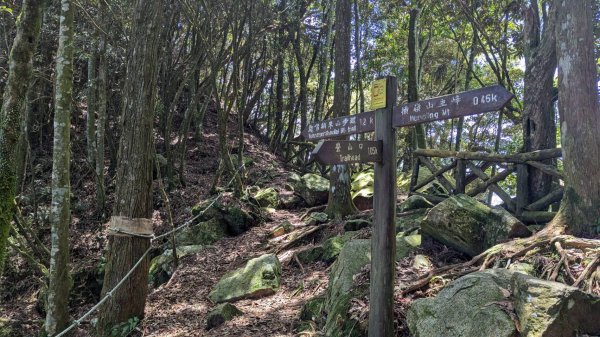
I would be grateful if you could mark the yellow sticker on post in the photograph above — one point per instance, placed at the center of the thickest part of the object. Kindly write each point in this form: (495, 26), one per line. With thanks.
(378, 100)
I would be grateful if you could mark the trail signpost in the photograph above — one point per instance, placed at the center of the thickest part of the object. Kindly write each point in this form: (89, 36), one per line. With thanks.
(382, 151)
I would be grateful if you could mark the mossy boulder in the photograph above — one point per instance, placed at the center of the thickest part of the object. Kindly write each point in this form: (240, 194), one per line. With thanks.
(316, 218)
(313, 189)
(258, 278)
(162, 266)
(231, 218)
(312, 309)
(341, 289)
(468, 307)
(203, 233)
(548, 308)
(469, 226)
(267, 197)
(289, 200)
(476, 305)
(333, 246)
(362, 189)
(405, 222)
(415, 202)
(220, 314)
(310, 254)
(282, 229)
(356, 224)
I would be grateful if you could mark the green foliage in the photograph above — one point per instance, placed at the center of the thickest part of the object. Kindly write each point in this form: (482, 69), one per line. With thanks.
(125, 328)
(6, 9)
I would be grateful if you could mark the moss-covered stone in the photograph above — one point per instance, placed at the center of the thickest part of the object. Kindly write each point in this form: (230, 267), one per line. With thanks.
(313, 188)
(220, 314)
(312, 309)
(467, 307)
(411, 221)
(283, 228)
(316, 218)
(162, 266)
(268, 197)
(203, 233)
(333, 246)
(415, 202)
(548, 308)
(310, 254)
(470, 226)
(238, 220)
(289, 200)
(356, 225)
(353, 257)
(259, 277)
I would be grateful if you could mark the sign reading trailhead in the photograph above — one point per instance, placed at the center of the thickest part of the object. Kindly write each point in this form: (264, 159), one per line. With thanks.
(347, 151)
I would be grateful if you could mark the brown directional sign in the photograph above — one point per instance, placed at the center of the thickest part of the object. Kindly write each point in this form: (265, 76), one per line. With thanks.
(359, 123)
(450, 106)
(465, 103)
(330, 152)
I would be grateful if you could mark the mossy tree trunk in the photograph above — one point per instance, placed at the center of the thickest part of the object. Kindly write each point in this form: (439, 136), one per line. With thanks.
(133, 196)
(580, 117)
(19, 75)
(57, 315)
(539, 128)
(102, 115)
(340, 201)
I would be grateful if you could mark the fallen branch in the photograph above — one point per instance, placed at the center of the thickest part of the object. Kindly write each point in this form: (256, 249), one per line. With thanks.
(300, 237)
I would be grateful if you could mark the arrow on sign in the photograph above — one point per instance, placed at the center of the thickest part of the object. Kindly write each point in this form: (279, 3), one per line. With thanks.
(465, 103)
(331, 152)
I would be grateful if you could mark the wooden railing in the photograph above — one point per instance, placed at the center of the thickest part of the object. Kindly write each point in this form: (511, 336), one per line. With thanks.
(469, 171)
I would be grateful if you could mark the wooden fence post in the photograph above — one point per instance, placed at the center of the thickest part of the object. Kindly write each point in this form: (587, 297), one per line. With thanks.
(383, 242)
(461, 176)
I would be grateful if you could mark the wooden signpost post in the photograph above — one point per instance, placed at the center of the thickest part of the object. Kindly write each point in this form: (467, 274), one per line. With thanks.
(382, 151)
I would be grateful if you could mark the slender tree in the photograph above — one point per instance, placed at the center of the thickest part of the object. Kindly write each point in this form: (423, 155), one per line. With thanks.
(133, 196)
(19, 75)
(580, 117)
(57, 315)
(340, 201)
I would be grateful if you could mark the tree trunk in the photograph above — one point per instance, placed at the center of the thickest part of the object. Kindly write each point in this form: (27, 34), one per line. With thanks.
(19, 75)
(340, 202)
(90, 129)
(101, 122)
(57, 316)
(539, 128)
(133, 196)
(580, 116)
(323, 62)
(413, 71)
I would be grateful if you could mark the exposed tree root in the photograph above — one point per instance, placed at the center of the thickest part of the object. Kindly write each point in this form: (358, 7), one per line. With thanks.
(552, 238)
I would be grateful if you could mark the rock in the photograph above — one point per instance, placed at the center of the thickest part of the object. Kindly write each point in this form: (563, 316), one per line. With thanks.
(203, 233)
(238, 220)
(353, 257)
(310, 254)
(268, 197)
(333, 246)
(220, 314)
(316, 218)
(356, 225)
(162, 266)
(477, 305)
(362, 190)
(293, 178)
(285, 227)
(312, 309)
(421, 262)
(313, 189)
(470, 226)
(289, 200)
(521, 267)
(415, 202)
(260, 277)
(468, 307)
(411, 221)
(548, 308)
(232, 219)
